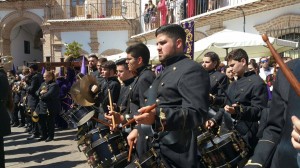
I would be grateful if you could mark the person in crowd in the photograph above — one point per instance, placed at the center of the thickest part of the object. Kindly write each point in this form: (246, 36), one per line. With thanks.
(99, 77)
(229, 74)
(252, 66)
(138, 56)
(275, 148)
(16, 90)
(64, 99)
(171, 6)
(35, 81)
(152, 11)
(22, 107)
(218, 80)
(265, 69)
(49, 106)
(182, 102)
(110, 83)
(162, 7)
(245, 100)
(122, 106)
(147, 17)
(6, 106)
(93, 60)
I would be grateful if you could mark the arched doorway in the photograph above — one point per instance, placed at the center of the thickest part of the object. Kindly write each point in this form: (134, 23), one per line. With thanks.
(21, 37)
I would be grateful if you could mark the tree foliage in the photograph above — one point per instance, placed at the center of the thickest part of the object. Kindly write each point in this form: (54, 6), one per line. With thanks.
(73, 49)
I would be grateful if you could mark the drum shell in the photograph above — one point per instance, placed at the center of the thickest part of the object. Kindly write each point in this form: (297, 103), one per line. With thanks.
(227, 150)
(148, 160)
(109, 149)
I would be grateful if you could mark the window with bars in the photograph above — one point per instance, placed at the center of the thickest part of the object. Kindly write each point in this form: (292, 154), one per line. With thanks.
(292, 34)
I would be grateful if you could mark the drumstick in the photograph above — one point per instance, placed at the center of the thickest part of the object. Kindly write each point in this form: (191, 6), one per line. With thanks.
(111, 109)
(101, 122)
(130, 151)
(148, 109)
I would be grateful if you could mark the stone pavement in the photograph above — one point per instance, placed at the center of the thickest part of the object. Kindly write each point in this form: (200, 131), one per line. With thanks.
(60, 153)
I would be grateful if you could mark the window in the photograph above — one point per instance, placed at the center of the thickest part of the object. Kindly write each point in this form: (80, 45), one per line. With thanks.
(26, 47)
(292, 34)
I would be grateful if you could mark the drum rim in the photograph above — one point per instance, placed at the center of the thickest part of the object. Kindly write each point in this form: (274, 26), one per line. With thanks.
(221, 144)
(86, 118)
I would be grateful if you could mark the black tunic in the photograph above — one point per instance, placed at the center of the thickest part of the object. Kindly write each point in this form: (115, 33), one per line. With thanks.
(285, 103)
(35, 82)
(250, 92)
(182, 97)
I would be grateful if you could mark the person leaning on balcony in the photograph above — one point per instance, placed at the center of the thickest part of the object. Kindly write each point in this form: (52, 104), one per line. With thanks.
(152, 11)
(147, 17)
(162, 7)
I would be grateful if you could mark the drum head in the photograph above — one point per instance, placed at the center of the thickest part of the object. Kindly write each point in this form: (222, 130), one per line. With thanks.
(86, 118)
(218, 140)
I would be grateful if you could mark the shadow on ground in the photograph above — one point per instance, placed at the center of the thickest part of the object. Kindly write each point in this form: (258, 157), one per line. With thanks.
(38, 158)
(33, 149)
(64, 164)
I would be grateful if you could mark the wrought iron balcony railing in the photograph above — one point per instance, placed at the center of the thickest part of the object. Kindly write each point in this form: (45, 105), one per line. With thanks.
(116, 10)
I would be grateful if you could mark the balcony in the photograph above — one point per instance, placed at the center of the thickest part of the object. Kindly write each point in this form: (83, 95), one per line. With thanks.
(116, 10)
(201, 8)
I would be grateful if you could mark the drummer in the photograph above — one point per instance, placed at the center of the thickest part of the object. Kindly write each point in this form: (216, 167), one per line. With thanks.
(127, 78)
(110, 83)
(181, 93)
(246, 98)
(218, 80)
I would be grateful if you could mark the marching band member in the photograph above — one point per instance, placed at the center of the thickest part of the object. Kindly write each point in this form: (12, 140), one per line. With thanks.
(35, 82)
(275, 148)
(246, 98)
(48, 106)
(122, 106)
(181, 93)
(218, 80)
(6, 105)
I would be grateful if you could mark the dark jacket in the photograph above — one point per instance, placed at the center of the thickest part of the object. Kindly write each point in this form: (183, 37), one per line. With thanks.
(49, 100)
(35, 82)
(124, 96)
(5, 91)
(182, 91)
(250, 92)
(285, 103)
(114, 85)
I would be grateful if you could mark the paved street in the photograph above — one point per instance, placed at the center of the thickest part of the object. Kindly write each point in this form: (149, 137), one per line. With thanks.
(60, 153)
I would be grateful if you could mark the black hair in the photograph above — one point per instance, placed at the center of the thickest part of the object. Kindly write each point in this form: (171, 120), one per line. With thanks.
(139, 50)
(214, 57)
(109, 65)
(93, 56)
(173, 31)
(34, 67)
(237, 55)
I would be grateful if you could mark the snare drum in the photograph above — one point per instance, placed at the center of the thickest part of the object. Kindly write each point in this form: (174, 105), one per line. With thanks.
(148, 160)
(224, 151)
(110, 150)
(81, 115)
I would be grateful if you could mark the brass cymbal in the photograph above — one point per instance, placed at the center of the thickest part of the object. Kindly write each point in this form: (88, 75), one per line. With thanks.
(85, 87)
(77, 96)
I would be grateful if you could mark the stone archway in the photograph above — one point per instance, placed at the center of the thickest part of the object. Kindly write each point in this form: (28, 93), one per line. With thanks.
(278, 23)
(9, 22)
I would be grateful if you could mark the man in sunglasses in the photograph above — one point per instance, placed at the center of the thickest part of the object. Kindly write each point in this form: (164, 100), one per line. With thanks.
(265, 69)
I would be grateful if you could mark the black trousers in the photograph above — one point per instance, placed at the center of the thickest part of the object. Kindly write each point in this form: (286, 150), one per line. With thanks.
(2, 160)
(16, 113)
(46, 123)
